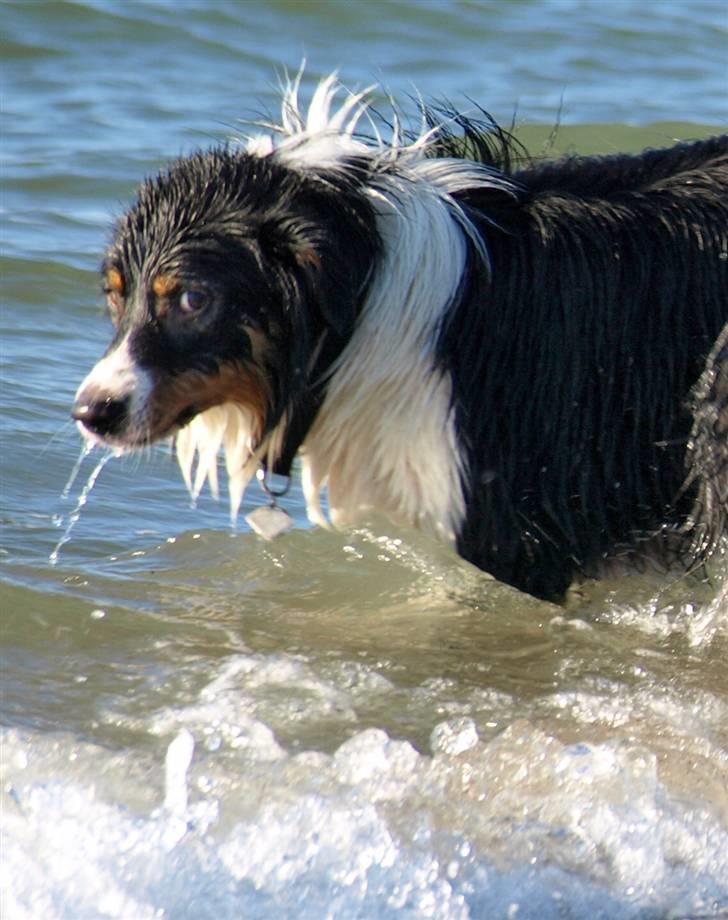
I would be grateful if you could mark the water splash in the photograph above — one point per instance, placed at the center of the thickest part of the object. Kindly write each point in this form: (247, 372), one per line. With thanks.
(82, 499)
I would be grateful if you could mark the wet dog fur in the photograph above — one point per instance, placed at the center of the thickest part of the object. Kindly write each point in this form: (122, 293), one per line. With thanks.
(497, 350)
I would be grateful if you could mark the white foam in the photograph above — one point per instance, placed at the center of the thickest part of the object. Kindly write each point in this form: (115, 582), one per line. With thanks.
(522, 825)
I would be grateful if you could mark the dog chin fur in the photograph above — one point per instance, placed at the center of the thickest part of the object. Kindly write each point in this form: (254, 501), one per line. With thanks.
(501, 357)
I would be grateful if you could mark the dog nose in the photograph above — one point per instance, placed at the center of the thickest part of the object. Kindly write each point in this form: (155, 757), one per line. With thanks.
(103, 417)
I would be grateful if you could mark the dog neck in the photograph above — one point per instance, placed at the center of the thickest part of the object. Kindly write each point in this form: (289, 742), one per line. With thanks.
(384, 438)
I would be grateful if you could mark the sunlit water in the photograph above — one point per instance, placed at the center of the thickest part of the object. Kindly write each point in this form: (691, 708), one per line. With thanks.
(199, 724)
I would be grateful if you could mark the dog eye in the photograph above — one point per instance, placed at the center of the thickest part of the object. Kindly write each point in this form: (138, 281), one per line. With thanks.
(193, 301)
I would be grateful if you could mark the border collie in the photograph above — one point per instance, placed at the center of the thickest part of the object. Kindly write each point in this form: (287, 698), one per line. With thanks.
(498, 351)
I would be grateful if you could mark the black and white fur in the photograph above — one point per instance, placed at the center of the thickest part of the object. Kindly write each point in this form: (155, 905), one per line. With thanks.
(500, 356)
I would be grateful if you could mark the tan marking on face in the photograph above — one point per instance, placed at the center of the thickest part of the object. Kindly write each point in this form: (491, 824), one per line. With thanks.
(114, 281)
(233, 383)
(166, 284)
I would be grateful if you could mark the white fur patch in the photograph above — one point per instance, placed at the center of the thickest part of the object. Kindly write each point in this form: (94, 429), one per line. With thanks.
(116, 376)
(227, 428)
(321, 137)
(384, 439)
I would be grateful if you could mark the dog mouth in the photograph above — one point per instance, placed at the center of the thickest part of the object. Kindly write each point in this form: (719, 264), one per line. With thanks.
(156, 409)
(109, 424)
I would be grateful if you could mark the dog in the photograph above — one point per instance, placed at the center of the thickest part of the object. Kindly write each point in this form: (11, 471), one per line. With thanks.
(496, 350)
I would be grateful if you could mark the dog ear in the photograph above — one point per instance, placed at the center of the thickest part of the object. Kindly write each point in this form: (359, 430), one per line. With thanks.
(328, 286)
(322, 274)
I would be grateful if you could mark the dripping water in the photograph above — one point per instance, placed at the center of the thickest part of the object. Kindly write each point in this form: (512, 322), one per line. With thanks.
(82, 499)
(85, 451)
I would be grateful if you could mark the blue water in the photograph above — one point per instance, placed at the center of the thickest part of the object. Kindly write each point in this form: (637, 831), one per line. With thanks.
(377, 729)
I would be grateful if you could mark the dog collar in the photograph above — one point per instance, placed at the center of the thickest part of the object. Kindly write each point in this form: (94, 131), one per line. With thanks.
(274, 484)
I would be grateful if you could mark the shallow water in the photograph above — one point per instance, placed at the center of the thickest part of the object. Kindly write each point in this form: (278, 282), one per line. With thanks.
(353, 725)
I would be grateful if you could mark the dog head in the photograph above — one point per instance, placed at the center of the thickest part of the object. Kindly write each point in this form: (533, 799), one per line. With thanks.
(233, 279)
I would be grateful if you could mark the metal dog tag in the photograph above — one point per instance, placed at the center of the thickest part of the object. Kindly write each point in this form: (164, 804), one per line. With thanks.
(269, 521)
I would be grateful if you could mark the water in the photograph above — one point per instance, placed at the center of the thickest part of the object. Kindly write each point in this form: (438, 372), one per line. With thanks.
(199, 724)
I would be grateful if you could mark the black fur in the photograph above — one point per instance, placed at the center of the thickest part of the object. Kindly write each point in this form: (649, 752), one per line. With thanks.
(573, 360)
